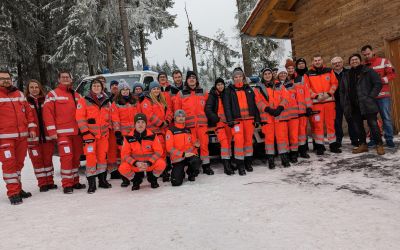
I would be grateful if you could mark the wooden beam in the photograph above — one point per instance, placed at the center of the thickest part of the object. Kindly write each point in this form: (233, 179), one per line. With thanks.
(283, 16)
(290, 4)
(260, 21)
(283, 30)
(271, 28)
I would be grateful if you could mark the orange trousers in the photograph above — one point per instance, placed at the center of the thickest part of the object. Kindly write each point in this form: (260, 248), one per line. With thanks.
(293, 132)
(277, 131)
(129, 171)
(200, 134)
(70, 150)
(41, 155)
(243, 138)
(113, 153)
(96, 156)
(303, 130)
(12, 156)
(224, 135)
(326, 117)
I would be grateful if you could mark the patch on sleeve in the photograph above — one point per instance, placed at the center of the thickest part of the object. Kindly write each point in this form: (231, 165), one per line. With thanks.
(79, 106)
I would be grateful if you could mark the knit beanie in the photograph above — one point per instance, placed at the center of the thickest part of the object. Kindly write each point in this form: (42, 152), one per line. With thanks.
(123, 85)
(153, 85)
(140, 117)
(180, 112)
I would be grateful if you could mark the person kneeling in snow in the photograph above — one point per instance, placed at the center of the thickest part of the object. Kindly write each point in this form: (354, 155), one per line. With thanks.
(141, 152)
(182, 150)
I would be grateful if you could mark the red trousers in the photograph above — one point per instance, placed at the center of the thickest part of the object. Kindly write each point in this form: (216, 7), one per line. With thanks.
(326, 117)
(303, 130)
(96, 156)
(113, 153)
(276, 131)
(200, 134)
(293, 132)
(243, 138)
(12, 156)
(224, 135)
(42, 160)
(129, 171)
(70, 149)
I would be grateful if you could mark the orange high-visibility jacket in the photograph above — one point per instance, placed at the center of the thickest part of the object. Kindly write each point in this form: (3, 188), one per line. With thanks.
(17, 118)
(94, 118)
(293, 106)
(156, 114)
(122, 115)
(321, 81)
(303, 94)
(59, 111)
(144, 147)
(193, 102)
(178, 142)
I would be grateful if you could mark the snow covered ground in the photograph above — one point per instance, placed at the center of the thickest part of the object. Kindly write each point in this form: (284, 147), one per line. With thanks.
(331, 202)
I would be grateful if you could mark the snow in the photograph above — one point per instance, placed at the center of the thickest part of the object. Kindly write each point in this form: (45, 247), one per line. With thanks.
(330, 202)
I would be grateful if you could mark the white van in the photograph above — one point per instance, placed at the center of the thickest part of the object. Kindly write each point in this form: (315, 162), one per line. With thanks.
(131, 77)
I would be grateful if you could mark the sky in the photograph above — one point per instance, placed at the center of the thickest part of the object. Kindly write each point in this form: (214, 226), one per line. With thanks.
(207, 16)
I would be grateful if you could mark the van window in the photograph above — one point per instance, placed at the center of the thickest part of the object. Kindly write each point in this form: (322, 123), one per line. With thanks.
(129, 78)
(84, 88)
(147, 80)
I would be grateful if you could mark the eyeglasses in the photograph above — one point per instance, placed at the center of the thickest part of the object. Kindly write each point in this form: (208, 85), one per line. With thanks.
(5, 79)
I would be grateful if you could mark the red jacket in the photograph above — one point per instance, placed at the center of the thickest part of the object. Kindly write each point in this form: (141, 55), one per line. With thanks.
(293, 105)
(17, 117)
(42, 136)
(123, 114)
(384, 68)
(156, 114)
(193, 102)
(179, 141)
(59, 111)
(303, 94)
(94, 117)
(321, 81)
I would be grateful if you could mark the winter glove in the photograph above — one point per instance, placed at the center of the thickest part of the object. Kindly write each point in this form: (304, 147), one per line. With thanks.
(119, 138)
(231, 124)
(269, 110)
(309, 112)
(278, 111)
(256, 124)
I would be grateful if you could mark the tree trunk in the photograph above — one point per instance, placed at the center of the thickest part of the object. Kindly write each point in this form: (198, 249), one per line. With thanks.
(125, 35)
(110, 65)
(248, 70)
(142, 47)
(192, 49)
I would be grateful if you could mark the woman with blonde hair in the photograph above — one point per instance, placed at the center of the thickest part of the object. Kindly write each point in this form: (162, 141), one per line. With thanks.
(41, 147)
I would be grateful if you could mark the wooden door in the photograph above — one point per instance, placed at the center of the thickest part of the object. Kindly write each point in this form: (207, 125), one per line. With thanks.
(393, 53)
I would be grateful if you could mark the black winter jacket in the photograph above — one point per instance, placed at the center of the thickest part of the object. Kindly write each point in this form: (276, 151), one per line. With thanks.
(231, 104)
(211, 108)
(368, 87)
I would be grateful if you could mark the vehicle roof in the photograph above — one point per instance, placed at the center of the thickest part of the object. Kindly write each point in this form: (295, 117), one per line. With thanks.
(122, 73)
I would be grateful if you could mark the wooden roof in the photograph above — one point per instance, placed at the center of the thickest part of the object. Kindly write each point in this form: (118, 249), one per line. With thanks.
(271, 18)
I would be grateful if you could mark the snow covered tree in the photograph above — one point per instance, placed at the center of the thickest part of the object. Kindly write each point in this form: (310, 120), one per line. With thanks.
(166, 68)
(174, 66)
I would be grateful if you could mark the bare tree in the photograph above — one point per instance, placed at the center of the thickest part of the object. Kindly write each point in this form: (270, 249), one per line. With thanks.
(191, 43)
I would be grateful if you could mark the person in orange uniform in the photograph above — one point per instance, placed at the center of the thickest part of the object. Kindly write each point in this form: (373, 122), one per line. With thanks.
(216, 119)
(155, 106)
(305, 104)
(16, 124)
(94, 121)
(242, 116)
(272, 100)
(292, 111)
(181, 148)
(322, 84)
(165, 88)
(113, 151)
(40, 148)
(142, 152)
(192, 99)
(59, 117)
(123, 111)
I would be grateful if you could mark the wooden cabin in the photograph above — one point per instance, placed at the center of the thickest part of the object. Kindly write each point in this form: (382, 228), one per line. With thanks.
(333, 28)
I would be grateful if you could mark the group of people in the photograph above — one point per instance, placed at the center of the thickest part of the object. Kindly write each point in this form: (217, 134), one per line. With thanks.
(164, 129)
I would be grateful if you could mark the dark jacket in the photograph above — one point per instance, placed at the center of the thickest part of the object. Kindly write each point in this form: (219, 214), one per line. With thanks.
(368, 87)
(231, 104)
(211, 108)
(339, 78)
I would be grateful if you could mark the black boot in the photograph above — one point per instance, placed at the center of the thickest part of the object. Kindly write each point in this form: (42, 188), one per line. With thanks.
(52, 186)
(125, 181)
(335, 148)
(103, 183)
(68, 190)
(15, 199)
(152, 179)
(271, 161)
(115, 175)
(303, 151)
(227, 167)
(240, 166)
(92, 184)
(166, 176)
(43, 188)
(79, 186)
(24, 194)
(207, 169)
(320, 149)
(233, 166)
(293, 156)
(285, 160)
(248, 161)
(137, 180)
